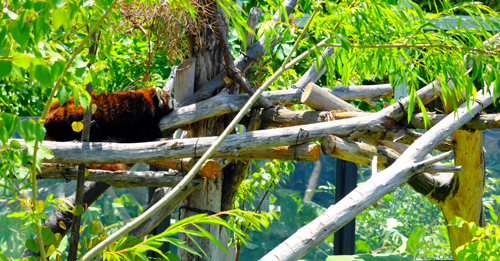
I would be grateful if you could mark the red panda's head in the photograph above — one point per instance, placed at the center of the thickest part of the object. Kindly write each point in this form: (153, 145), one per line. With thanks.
(165, 102)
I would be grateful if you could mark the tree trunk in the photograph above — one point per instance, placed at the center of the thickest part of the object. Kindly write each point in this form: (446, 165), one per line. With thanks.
(205, 47)
(466, 198)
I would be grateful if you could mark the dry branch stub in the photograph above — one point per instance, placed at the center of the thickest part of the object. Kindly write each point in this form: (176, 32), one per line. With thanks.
(184, 79)
(319, 99)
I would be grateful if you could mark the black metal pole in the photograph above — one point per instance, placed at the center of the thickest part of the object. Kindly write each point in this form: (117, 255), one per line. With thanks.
(346, 181)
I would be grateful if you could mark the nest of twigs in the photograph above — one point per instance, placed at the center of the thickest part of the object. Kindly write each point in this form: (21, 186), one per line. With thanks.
(166, 24)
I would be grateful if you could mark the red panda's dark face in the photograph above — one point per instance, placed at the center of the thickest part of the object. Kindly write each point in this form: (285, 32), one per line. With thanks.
(165, 101)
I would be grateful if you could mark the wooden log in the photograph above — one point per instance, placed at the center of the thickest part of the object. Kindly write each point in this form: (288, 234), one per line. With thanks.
(319, 99)
(126, 179)
(358, 152)
(367, 93)
(226, 103)
(211, 168)
(364, 154)
(283, 117)
(236, 146)
(301, 152)
(479, 122)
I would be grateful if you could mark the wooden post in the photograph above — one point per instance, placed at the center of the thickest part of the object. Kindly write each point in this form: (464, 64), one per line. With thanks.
(184, 80)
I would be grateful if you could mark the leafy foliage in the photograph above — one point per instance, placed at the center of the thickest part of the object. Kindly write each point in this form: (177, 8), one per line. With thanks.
(484, 245)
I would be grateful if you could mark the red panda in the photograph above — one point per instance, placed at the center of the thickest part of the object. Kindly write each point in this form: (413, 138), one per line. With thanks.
(127, 116)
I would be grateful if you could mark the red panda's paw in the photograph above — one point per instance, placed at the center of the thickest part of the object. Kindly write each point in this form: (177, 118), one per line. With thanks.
(110, 167)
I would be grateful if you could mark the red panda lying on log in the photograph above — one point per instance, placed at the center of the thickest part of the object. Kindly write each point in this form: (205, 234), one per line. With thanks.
(127, 116)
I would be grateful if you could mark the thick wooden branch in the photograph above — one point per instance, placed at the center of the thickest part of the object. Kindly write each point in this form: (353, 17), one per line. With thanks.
(375, 188)
(435, 187)
(228, 59)
(283, 117)
(320, 99)
(367, 93)
(226, 103)
(252, 21)
(301, 152)
(127, 179)
(479, 122)
(358, 152)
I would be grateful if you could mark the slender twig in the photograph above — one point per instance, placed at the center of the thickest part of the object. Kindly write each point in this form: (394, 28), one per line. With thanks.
(42, 119)
(35, 204)
(87, 116)
(419, 46)
(177, 189)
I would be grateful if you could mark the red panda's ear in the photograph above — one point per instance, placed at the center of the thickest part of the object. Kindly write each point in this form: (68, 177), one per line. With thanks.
(159, 95)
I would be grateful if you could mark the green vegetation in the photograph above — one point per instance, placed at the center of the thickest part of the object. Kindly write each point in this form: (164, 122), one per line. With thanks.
(44, 55)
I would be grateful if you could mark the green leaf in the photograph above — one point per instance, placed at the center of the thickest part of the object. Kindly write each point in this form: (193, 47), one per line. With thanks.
(415, 240)
(95, 227)
(57, 69)
(32, 245)
(10, 122)
(38, 130)
(212, 238)
(362, 246)
(40, 28)
(78, 210)
(42, 74)
(5, 68)
(77, 126)
(21, 35)
(64, 93)
(57, 3)
(58, 18)
(48, 236)
(14, 144)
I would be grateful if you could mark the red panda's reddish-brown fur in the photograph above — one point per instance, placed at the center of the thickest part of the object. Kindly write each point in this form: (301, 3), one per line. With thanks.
(127, 116)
